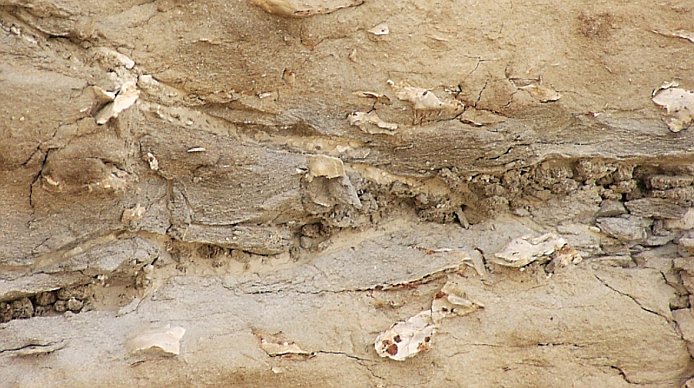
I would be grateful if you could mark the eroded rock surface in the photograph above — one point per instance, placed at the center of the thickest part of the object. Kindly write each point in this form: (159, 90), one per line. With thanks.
(287, 180)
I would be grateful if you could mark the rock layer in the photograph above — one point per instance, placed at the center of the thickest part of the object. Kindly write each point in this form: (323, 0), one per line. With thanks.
(299, 175)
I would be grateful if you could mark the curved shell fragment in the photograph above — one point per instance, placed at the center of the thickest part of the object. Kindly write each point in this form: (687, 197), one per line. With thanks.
(126, 97)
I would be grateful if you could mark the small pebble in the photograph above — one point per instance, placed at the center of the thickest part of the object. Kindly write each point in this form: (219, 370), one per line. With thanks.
(74, 305)
(45, 298)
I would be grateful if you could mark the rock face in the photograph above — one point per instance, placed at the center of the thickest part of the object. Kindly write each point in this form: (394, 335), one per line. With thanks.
(286, 181)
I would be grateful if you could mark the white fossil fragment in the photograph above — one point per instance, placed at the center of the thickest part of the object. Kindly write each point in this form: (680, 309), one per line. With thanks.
(49, 179)
(665, 85)
(542, 93)
(353, 55)
(371, 123)
(450, 302)
(196, 149)
(421, 99)
(281, 348)
(325, 166)
(380, 29)
(679, 104)
(408, 338)
(682, 34)
(337, 185)
(382, 98)
(164, 340)
(525, 250)
(425, 103)
(152, 161)
(126, 97)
